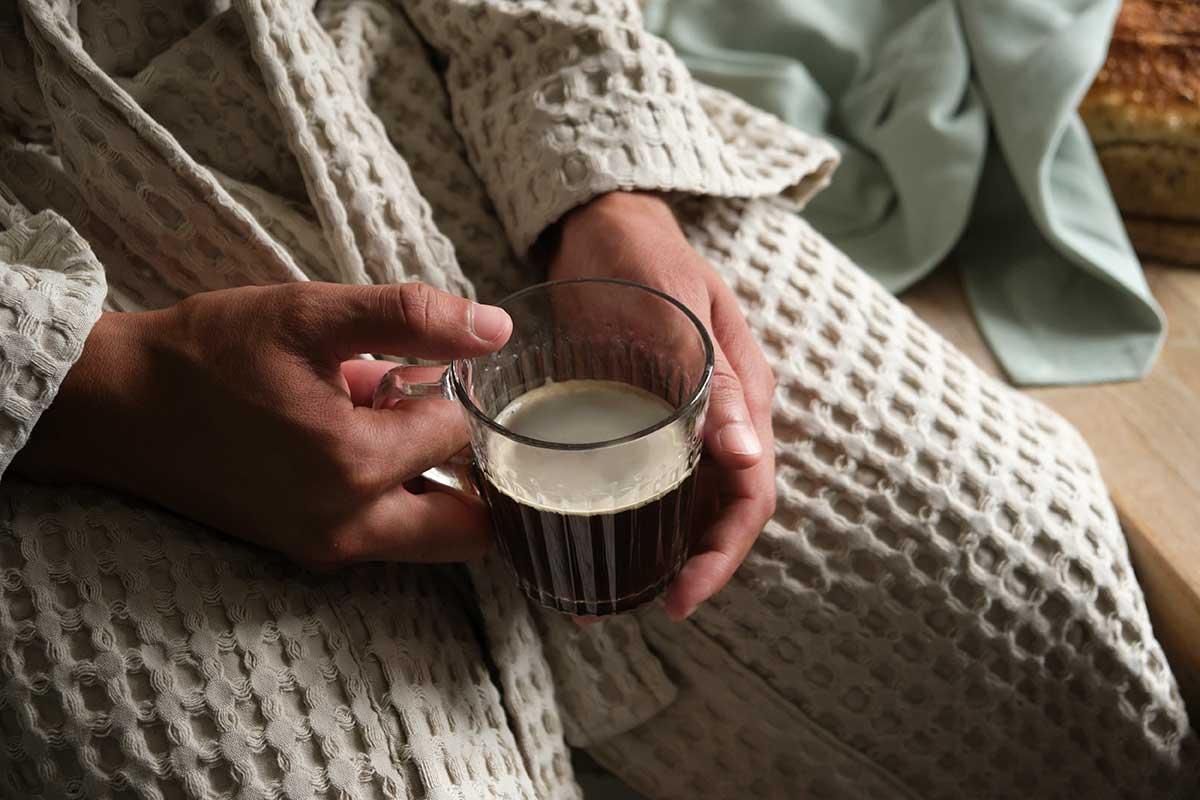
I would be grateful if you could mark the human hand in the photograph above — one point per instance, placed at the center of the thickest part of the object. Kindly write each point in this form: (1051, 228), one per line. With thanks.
(239, 409)
(636, 237)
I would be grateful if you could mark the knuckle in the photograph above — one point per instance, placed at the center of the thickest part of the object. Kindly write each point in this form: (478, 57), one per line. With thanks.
(301, 297)
(725, 377)
(414, 303)
(190, 311)
(725, 388)
(298, 309)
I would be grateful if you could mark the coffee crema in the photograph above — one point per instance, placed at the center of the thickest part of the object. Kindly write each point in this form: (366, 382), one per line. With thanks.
(596, 530)
(599, 480)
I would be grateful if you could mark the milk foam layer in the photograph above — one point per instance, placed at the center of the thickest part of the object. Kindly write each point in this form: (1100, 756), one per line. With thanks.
(595, 481)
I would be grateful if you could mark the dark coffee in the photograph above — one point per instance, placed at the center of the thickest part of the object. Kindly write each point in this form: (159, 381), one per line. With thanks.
(597, 531)
(594, 564)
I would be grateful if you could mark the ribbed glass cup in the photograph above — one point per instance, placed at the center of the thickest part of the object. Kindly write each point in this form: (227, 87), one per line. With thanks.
(615, 539)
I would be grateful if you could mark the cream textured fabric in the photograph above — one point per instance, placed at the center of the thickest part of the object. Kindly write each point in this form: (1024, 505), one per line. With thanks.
(51, 287)
(942, 607)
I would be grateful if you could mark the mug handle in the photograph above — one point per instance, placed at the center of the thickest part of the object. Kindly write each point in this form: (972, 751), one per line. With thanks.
(400, 384)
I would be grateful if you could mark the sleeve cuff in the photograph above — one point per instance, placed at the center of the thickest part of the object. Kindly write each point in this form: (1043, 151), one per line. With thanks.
(541, 161)
(51, 292)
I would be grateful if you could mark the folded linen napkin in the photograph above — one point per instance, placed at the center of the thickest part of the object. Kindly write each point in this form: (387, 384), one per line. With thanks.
(957, 125)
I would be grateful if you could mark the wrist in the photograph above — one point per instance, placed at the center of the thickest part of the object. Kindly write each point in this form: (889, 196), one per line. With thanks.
(626, 213)
(80, 436)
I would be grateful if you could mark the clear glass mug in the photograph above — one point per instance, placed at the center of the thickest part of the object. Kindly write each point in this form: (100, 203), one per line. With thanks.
(588, 527)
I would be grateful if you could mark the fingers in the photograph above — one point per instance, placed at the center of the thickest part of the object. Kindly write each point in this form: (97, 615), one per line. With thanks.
(409, 319)
(741, 518)
(729, 432)
(730, 328)
(454, 526)
(383, 451)
(748, 490)
(413, 436)
(362, 376)
(434, 526)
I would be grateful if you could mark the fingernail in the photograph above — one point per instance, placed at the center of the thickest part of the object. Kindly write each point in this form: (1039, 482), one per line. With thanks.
(740, 438)
(689, 612)
(488, 323)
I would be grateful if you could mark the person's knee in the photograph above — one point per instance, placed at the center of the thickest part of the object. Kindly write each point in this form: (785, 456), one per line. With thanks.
(937, 635)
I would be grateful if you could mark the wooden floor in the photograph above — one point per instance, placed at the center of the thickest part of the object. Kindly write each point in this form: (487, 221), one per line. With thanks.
(1146, 435)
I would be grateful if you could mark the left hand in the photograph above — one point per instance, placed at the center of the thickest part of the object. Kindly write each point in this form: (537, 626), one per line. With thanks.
(636, 237)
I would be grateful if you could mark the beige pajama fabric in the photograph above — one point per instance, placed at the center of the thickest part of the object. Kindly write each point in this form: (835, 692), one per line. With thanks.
(942, 606)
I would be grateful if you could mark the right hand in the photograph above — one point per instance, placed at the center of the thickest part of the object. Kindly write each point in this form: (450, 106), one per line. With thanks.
(240, 409)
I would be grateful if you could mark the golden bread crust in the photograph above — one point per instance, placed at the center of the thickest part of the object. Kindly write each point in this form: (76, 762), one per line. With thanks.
(1143, 114)
(1163, 240)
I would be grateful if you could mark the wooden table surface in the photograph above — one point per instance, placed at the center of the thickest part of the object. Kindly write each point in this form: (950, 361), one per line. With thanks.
(1146, 436)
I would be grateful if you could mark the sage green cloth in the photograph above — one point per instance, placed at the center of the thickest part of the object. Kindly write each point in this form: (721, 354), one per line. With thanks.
(957, 125)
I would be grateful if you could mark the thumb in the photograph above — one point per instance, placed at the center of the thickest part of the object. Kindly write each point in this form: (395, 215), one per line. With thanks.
(409, 319)
(729, 434)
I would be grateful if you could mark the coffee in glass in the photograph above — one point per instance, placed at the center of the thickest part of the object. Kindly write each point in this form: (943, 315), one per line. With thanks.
(596, 553)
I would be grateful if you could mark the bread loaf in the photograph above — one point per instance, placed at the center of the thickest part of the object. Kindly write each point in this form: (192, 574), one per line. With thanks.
(1143, 113)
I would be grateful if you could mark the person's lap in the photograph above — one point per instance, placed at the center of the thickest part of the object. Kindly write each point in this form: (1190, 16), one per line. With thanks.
(942, 605)
(140, 652)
